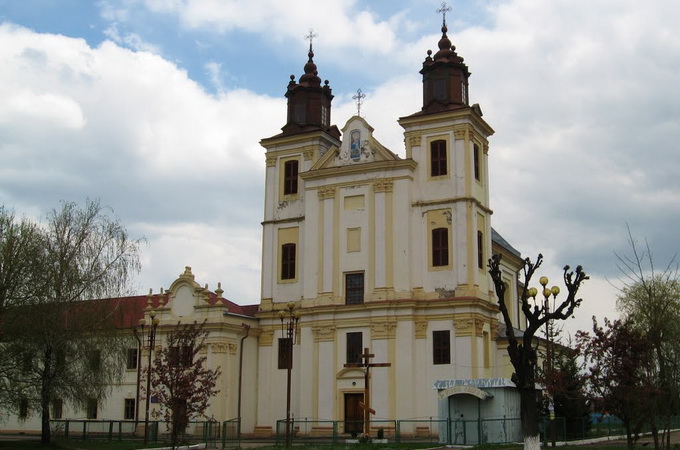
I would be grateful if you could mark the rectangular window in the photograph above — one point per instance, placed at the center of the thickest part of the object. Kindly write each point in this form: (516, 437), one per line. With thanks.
(441, 347)
(131, 363)
(290, 177)
(23, 408)
(354, 288)
(288, 261)
(27, 362)
(285, 353)
(181, 356)
(129, 409)
(57, 408)
(477, 163)
(438, 158)
(354, 346)
(60, 359)
(480, 249)
(440, 247)
(92, 408)
(95, 360)
(324, 116)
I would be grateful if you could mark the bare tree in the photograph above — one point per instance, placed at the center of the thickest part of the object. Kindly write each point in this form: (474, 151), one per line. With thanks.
(64, 347)
(19, 248)
(523, 355)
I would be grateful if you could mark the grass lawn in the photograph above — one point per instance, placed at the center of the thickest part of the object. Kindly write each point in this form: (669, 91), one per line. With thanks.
(73, 444)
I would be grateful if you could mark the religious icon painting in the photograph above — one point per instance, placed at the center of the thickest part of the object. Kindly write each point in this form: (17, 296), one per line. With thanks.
(355, 145)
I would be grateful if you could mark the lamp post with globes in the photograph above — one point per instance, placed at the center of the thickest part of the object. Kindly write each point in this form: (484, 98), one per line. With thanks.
(148, 333)
(547, 292)
(291, 317)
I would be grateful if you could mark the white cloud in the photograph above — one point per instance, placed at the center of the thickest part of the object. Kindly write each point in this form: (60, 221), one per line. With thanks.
(147, 140)
(131, 40)
(582, 96)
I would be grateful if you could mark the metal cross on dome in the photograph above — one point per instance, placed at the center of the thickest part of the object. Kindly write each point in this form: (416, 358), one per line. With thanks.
(443, 10)
(311, 35)
(359, 99)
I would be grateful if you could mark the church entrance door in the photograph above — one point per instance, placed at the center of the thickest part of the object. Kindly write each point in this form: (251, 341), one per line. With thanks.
(354, 413)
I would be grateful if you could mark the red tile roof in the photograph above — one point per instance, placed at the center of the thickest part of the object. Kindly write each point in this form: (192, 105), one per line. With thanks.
(129, 310)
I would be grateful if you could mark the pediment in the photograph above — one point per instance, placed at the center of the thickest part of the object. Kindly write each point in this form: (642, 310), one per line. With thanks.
(358, 146)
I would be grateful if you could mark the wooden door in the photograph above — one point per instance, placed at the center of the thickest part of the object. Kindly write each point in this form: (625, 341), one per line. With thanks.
(354, 414)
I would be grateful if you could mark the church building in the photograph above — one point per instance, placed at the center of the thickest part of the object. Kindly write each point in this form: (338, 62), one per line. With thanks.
(361, 249)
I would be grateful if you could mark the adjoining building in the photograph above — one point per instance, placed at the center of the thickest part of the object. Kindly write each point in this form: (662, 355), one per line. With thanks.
(374, 251)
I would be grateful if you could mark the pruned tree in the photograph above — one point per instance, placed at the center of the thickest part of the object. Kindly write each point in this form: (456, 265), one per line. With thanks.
(523, 349)
(619, 357)
(650, 300)
(63, 346)
(180, 380)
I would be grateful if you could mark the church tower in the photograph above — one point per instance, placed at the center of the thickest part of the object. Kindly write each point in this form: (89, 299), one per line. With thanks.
(448, 139)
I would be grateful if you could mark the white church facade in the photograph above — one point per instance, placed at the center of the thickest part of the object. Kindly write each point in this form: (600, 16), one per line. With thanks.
(373, 251)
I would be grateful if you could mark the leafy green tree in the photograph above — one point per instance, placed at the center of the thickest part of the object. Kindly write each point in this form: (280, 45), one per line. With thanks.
(64, 347)
(650, 300)
(180, 379)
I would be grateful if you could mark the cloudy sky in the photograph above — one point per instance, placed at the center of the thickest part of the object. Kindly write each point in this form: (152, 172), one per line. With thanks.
(156, 107)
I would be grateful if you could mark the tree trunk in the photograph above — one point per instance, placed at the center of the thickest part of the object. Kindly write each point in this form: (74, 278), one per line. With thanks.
(46, 433)
(629, 437)
(529, 415)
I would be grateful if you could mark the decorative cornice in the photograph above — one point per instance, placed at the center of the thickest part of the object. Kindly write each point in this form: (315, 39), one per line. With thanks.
(326, 193)
(323, 334)
(266, 338)
(383, 330)
(421, 329)
(386, 185)
(219, 347)
(463, 327)
(469, 326)
(308, 152)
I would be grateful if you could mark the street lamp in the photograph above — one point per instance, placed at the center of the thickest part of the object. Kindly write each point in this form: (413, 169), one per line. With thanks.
(151, 340)
(547, 292)
(291, 317)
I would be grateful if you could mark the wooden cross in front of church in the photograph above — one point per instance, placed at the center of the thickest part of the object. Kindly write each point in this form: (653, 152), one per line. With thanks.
(366, 405)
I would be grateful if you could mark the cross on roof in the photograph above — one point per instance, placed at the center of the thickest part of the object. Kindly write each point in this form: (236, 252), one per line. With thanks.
(311, 35)
(443, 10)
(359, 97)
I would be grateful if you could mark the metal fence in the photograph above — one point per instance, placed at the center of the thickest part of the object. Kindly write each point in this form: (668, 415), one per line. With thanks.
(209, 432)
(310, 431)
